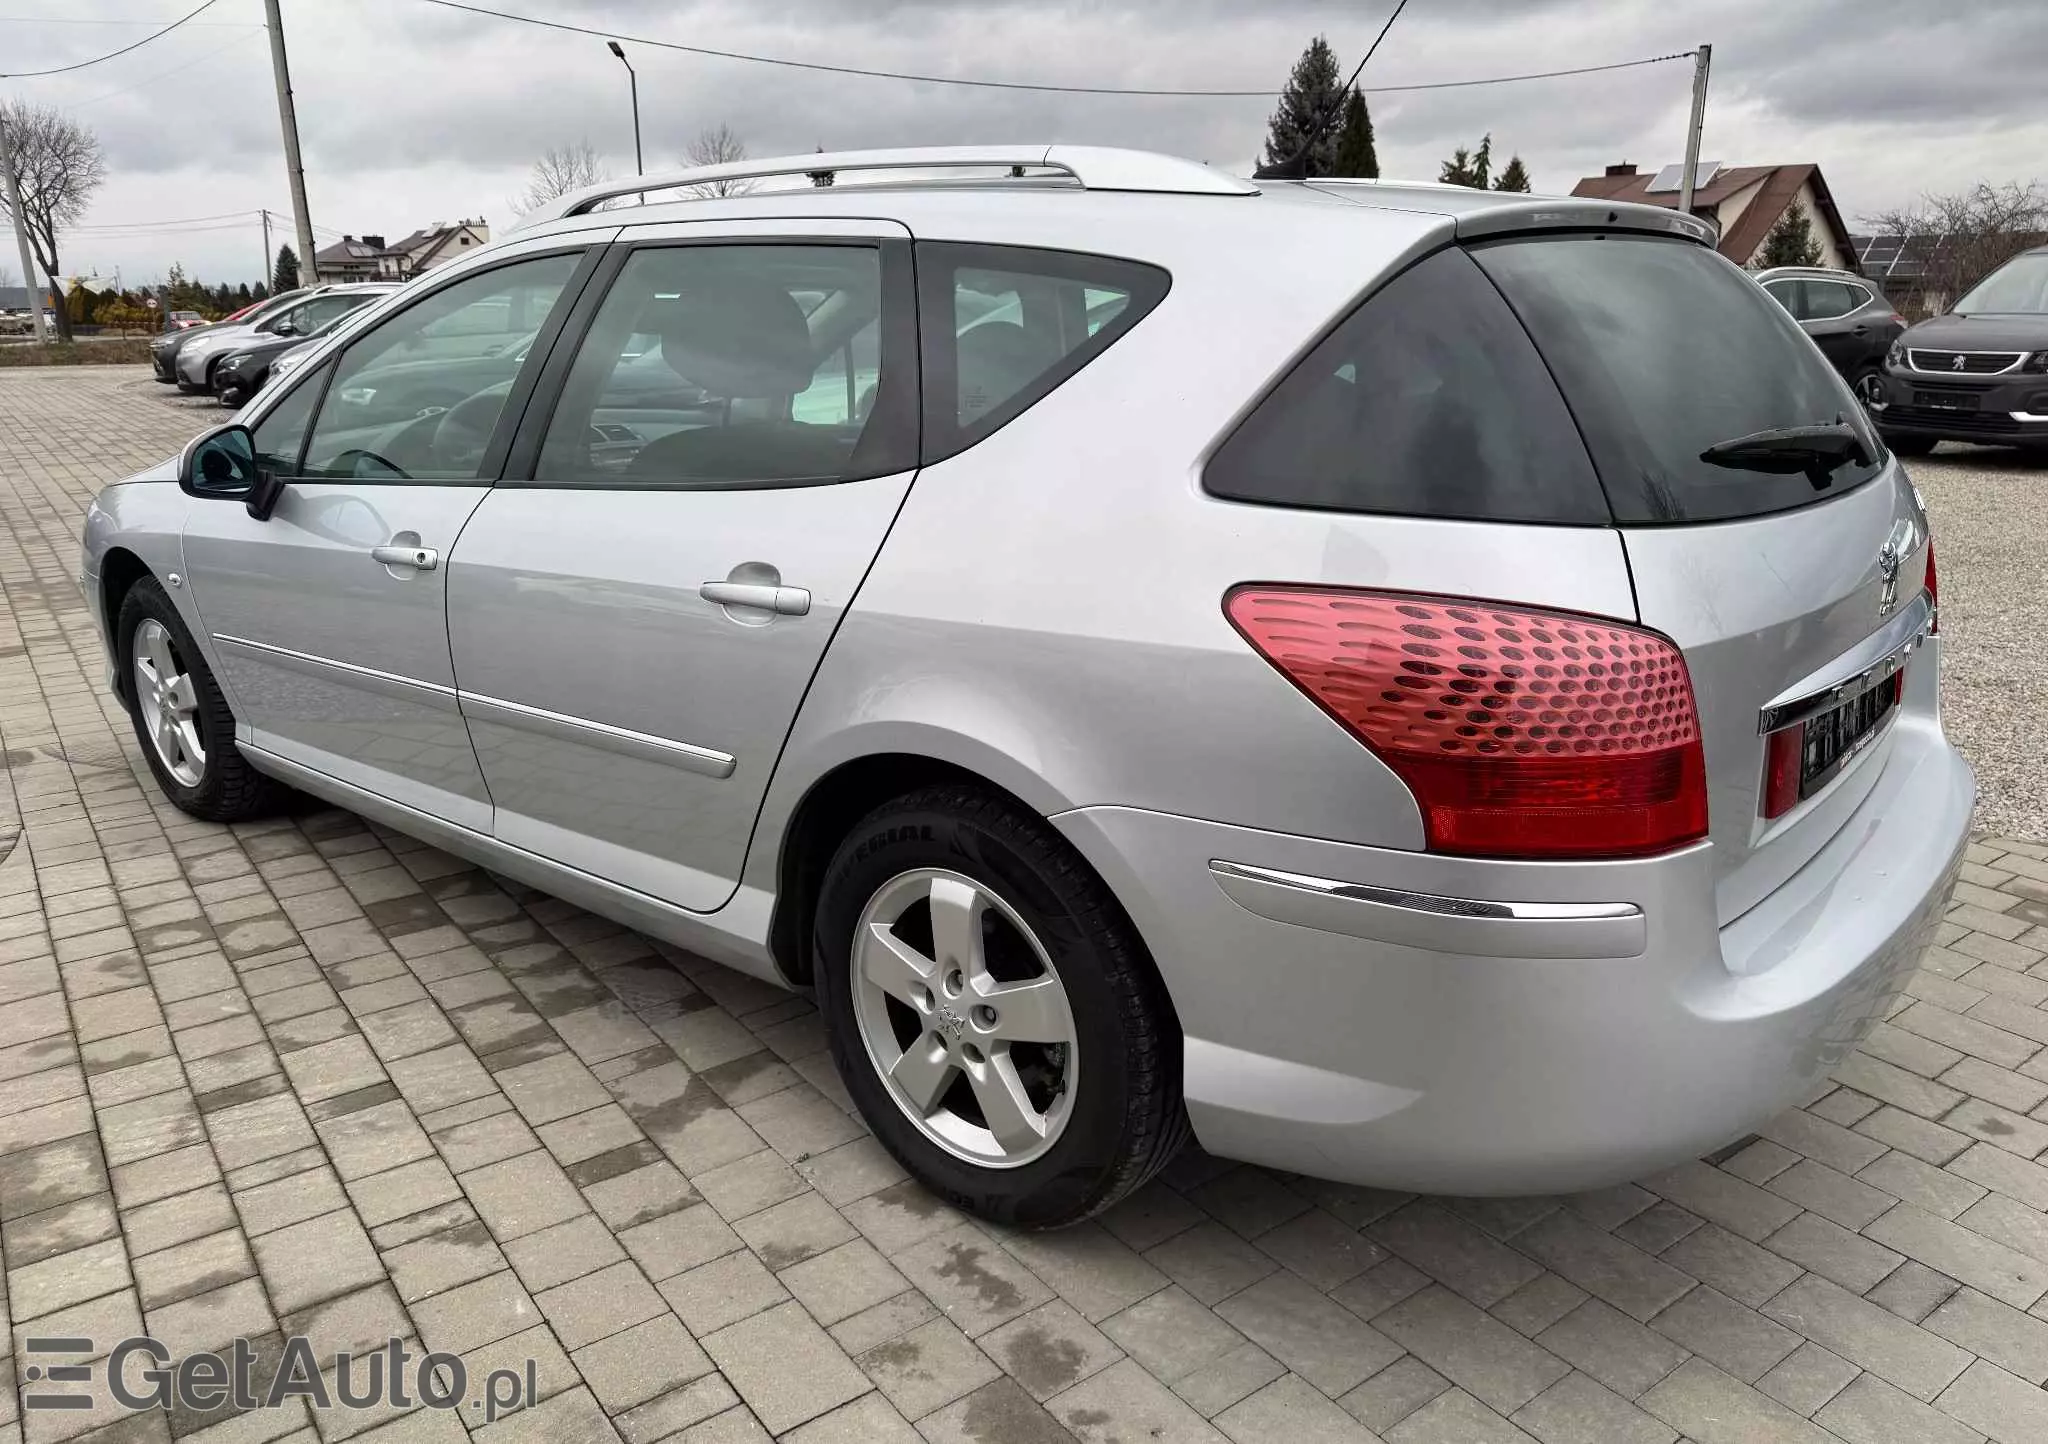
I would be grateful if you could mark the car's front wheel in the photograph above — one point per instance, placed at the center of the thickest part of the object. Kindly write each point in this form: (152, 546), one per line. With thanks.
(181, 719)
(993, 1012)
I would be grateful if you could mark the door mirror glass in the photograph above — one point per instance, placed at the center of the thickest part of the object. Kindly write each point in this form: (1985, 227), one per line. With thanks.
(284, 328)
(221, 465)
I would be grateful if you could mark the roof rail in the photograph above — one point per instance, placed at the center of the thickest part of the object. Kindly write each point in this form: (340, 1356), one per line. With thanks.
(1095, 168)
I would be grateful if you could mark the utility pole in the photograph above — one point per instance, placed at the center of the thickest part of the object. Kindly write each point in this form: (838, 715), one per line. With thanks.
(294, 171)
(266, 275)
(1703, 61)
(30, 286)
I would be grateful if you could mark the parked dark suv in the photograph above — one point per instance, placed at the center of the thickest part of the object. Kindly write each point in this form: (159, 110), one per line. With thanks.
(1980, 373)
(1848, 318)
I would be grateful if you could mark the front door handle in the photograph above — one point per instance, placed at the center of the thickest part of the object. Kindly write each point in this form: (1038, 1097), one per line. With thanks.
(783, 601)
(423, 559)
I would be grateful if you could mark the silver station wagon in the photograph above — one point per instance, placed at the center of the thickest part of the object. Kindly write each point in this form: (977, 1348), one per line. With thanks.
(1410, 685)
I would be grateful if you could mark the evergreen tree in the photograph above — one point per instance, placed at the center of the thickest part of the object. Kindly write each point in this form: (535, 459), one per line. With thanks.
(285, 275)
(1355, 153)
(1791, 241)
(242, 295)
(1457, 171)
(261, 291)
(1304, 126)
(1482, 162)
(1514, 178)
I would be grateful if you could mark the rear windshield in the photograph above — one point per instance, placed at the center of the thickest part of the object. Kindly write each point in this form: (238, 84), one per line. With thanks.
(1662, 350)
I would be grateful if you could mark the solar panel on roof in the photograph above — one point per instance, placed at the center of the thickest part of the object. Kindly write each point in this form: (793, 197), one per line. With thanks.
(1671, 179)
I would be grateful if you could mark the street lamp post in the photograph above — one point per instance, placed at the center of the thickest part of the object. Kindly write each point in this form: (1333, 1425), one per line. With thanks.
(639, 167)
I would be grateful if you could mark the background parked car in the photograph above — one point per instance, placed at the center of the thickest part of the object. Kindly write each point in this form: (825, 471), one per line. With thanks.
(198, 358)
(241, 373)
(1848, 318)
(1980, 373)
(163, 351)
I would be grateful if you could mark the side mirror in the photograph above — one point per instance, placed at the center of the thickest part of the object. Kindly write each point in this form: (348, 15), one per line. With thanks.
(284, 328)
(221, 466)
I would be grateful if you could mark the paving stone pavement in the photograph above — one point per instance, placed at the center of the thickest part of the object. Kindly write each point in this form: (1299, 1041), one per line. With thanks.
(311, 1077)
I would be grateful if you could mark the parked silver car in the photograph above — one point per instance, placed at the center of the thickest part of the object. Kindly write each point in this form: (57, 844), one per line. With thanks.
(1315, 664)
(197, 358)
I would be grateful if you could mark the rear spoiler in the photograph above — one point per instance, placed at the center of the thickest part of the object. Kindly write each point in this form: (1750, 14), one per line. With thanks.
(1583, 215)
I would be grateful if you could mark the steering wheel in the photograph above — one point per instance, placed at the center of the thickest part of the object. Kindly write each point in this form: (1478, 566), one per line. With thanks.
(462, 434)
(349, 463)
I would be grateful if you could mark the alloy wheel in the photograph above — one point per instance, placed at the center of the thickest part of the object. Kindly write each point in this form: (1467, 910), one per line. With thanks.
(964, 1018)
(1870, 391)
(169, 703)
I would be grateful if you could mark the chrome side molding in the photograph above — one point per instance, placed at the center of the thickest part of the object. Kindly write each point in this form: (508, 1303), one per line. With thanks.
(1484, 927)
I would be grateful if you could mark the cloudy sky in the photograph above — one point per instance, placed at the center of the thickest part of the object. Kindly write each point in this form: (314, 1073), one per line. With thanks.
(411, 113)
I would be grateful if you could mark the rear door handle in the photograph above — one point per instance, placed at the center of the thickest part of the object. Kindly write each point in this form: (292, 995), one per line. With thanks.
(423, 559)
(783, 601)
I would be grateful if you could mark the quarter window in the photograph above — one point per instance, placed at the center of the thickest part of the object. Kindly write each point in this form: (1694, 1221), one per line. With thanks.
(1428, 400)
(418, 397)
(1004, 326)
(734, 365)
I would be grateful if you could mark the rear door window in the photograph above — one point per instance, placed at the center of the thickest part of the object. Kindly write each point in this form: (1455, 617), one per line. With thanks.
(1003, 326)
(1428, 400)
(1663, 350)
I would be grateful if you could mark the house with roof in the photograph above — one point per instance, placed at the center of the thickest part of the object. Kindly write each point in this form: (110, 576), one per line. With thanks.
(1744, 201)
(371, 258)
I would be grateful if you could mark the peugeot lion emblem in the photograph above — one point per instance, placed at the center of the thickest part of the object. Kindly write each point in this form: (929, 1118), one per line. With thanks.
(1956, 364)
(1888, 559)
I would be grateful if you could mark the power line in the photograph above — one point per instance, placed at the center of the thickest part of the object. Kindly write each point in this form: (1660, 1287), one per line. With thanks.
(1262, 93)
(204, 6)
(1537, 75)
(161, 74)
(68, 20)
(179, 221)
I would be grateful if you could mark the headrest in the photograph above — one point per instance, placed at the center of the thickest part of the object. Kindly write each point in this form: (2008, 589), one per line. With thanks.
(996, 360)
(746, 338)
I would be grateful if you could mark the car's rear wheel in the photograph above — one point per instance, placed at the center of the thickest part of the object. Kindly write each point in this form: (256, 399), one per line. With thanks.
(1869, 389)
(992, 1011)
(181, 719)
(1911, 445)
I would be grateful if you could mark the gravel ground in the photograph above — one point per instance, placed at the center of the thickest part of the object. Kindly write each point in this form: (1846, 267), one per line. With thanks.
(1990, 513)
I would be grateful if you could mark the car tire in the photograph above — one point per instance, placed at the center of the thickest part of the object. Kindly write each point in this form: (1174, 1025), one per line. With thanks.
(1867, 383)
(1101, 1111)
(1911, 445)
(199, 768)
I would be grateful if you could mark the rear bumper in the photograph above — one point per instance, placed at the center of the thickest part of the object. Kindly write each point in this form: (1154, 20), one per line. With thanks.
(1338, 1044)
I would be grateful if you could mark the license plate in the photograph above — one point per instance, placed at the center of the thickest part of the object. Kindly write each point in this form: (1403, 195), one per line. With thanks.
(1945, 401)
(1835, 734)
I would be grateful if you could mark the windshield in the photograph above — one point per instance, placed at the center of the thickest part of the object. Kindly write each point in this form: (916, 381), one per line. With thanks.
(1664, 351)
(2017, 288)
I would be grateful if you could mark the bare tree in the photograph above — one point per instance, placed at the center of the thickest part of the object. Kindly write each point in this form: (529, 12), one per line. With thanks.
(560, 170)
(1961, 237)
(57, 166)
(719, 145)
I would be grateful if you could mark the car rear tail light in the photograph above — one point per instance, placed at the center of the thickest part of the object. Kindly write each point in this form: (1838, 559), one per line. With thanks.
(1933, 593)
(1522, 734)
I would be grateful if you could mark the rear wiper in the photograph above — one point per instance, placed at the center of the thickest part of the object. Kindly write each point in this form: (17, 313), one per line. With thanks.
(1816, 451)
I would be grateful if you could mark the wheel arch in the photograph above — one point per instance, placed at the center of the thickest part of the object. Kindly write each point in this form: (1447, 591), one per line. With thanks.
(120, 570)
(823, 816)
